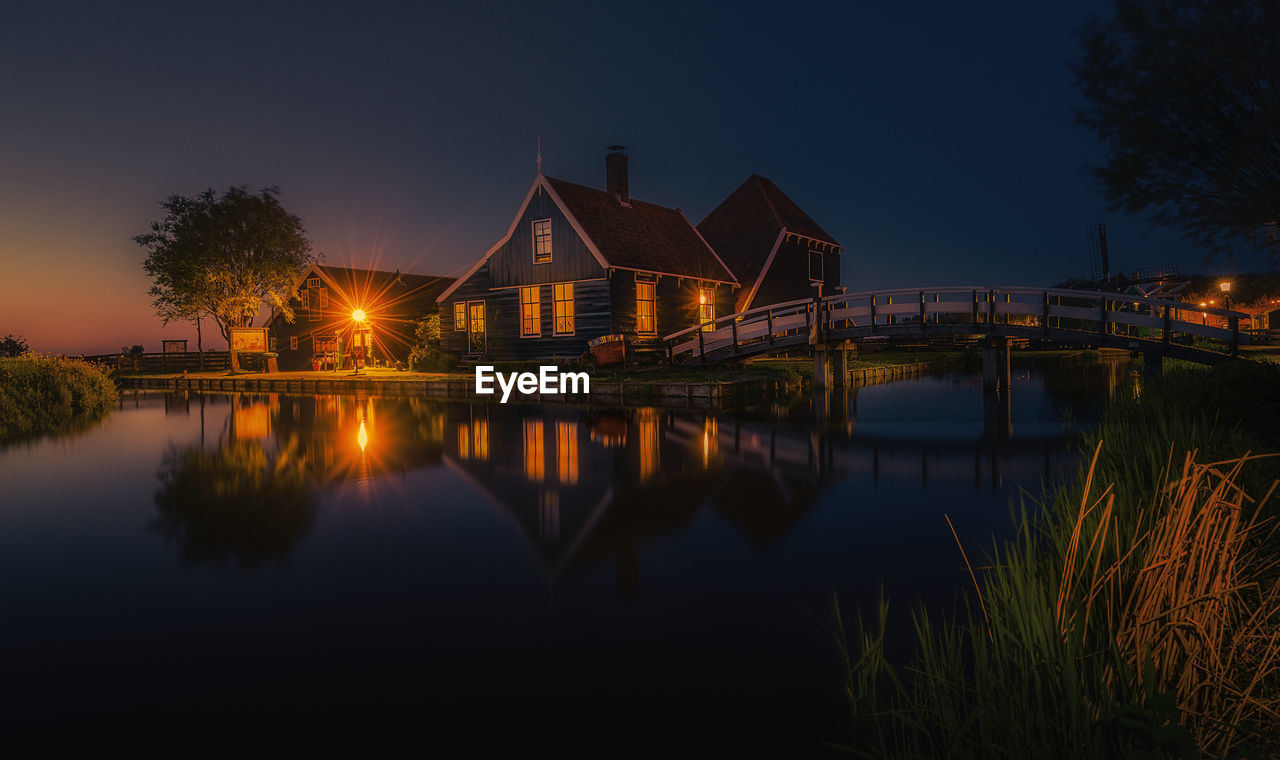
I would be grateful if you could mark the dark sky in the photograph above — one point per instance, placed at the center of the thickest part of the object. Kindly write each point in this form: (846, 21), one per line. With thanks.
(934, 141)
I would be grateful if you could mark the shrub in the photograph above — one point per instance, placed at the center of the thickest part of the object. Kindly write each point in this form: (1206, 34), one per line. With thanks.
(40, 394)
(11, 346)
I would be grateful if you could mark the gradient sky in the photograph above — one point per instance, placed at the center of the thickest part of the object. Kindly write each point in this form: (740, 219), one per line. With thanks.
(934, 141)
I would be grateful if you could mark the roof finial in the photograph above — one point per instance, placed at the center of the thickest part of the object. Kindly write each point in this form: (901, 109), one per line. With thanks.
(539, 154)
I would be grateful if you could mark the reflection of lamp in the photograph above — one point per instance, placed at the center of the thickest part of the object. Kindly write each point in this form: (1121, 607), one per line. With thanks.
(357, 315)
(1225, 285)
(362, 437)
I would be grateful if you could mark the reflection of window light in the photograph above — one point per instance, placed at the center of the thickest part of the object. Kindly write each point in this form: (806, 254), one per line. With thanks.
(480, 439)
(549, 516)
(464, 441)
(567, 452)
(710, 444)
(534, 456)
(647, 424)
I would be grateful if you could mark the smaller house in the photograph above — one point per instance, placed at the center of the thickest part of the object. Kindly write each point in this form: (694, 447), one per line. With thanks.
(578, 263)
(365, 313)
(777, 251)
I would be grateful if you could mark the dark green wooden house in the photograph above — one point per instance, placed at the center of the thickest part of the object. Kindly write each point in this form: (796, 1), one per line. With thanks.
(578, 263)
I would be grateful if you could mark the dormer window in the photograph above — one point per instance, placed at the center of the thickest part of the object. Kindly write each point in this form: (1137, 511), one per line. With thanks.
(542, 241)
(313, 282)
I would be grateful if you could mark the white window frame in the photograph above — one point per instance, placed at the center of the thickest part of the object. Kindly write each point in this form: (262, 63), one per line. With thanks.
(537, 305)
(555, 316)
(534, 229)
(653, 301)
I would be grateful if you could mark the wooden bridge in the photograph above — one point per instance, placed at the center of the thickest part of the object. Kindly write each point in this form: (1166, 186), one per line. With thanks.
(1158, 328)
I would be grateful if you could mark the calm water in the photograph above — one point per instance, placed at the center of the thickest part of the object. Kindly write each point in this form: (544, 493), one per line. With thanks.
(377, 563)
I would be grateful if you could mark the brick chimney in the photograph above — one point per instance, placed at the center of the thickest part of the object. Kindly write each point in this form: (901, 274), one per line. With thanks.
(615, 173)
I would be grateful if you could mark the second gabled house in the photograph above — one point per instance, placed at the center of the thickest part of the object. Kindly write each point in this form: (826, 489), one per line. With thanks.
(777, 250)
(578, 263)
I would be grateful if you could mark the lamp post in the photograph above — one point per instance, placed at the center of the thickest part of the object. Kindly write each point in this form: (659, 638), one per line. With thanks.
(1204, 315)
(1225, 286)
(358, 317)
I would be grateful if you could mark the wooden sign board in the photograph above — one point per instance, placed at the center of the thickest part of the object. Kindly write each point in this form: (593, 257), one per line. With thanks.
(173, 346)
(246, 340)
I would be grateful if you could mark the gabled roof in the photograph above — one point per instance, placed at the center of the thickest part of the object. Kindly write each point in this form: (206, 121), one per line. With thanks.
(748, 226)
(400, 292)
(640, 236)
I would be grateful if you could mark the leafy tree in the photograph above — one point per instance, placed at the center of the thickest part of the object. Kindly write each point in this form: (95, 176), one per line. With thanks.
(224, 257)
(1185, 98)
(11, 346)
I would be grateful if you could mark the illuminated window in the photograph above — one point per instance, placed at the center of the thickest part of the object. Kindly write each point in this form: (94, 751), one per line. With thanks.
(542, 241)
(567, 452)
(815, 266)
(534, 455)
(530, 313)
(459, 316)
(646, 321)
(707, 308)
(293, 342)
(563, 308)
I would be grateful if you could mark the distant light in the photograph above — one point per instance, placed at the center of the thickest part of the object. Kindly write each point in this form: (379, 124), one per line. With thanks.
(358, 315)
(1202, 303)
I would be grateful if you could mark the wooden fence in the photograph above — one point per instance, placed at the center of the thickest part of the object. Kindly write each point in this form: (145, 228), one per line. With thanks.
(157, 362)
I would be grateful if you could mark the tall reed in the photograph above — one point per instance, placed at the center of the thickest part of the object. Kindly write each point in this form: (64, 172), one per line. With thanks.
(1135, 613)
(40, 394)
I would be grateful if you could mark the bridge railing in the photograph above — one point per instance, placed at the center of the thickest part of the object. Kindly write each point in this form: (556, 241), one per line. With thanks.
(916, 310)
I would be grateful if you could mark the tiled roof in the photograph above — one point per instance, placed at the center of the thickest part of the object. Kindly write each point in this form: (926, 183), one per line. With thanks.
(640, 235)
(399, 291)
(745, 226)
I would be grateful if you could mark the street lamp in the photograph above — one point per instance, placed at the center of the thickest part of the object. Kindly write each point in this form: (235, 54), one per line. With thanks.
(1225, 285)
(357, 316)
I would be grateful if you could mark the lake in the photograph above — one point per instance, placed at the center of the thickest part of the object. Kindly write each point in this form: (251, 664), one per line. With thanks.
(205, 563)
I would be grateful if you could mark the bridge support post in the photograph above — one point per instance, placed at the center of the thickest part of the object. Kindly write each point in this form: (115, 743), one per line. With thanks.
(1152, 365)
(996, 370)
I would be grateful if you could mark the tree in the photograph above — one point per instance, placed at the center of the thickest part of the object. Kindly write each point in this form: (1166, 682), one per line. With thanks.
(11, 346)
(1185, 97)
(224, 257)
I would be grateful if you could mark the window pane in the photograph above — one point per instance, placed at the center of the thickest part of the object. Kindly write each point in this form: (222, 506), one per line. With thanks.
(460, 316)
(542, 241)
(563, 308)
(707, 308)
(530, 312)
(645, 308)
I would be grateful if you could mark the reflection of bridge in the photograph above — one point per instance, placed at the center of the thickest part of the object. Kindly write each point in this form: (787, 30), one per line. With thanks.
(1156, 327)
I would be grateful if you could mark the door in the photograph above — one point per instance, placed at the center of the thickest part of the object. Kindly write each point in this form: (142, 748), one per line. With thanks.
(475, 327)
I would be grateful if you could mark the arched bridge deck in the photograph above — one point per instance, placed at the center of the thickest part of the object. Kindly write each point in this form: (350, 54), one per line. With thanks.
(1087, 318)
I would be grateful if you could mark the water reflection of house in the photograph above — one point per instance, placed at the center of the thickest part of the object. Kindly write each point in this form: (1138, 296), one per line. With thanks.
(586, 487)
(354, 437)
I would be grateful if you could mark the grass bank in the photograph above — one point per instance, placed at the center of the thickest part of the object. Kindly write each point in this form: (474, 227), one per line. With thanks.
(44, 394)
(1137, 614)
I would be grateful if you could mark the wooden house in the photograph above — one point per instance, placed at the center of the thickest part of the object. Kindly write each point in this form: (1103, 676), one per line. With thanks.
(578, 263)
(777, 251)
(327, 302)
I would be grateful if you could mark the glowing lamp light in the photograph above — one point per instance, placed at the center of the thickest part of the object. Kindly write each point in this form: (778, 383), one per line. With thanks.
(358, 315)
(702, 298)
(362, 437)
(1225, 285)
